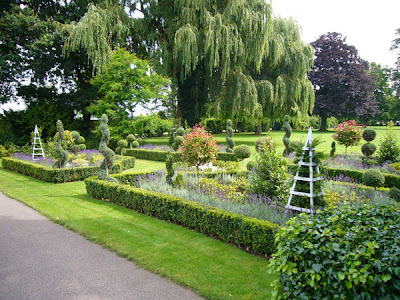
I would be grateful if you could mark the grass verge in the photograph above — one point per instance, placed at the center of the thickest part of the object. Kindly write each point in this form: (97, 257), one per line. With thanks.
(214, 269)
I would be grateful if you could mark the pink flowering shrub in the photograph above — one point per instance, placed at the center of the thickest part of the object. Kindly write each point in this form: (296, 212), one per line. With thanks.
(348, 133)
(199, 147)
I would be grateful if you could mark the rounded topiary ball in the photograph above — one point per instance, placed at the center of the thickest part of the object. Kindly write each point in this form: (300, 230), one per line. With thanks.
(180, 131)
(373, 178)
(82, 147)
(131, 138)
(369, 134)
(242, 151)
(251, 165)
(264, 142)
(122, 143)
(179, 140)
(75, 148)
(75, 134)
(135, 144)
(368, 149)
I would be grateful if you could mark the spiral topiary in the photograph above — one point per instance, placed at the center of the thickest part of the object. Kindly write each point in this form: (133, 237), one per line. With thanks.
(333, 149)
(178, 142)
(61, 153)
(131, 138)
(368, 149)
(229, 137)
(288, 132)
(109, 155)
(170, 169)
(373, 177)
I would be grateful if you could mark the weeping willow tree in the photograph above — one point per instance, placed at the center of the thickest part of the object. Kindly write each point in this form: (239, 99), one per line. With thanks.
(231, 56)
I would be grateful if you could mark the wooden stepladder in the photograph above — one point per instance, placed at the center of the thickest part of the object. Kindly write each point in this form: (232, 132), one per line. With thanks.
(37, 149)
(312, 169)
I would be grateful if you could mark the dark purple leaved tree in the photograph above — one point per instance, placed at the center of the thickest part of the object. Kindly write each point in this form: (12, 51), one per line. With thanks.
(339, 76)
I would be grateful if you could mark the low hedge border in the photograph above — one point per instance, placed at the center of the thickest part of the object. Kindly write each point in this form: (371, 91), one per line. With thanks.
(162, 155)
(250, 234)
(62, 175)
(391, 180)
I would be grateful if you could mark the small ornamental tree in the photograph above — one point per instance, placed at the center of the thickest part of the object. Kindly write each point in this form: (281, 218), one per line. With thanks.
(242, 152)
(198, 148)
(122, 144)
(348, 134)
(131, 138)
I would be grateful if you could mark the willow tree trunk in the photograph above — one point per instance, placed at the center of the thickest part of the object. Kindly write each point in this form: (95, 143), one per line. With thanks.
(258, 129)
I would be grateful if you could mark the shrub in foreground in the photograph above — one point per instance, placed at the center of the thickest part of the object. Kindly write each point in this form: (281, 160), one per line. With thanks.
(349, 252)
(373, 178)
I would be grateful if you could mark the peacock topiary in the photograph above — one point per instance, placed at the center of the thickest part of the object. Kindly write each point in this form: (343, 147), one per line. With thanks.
(288, 132)
(62, 154)
(109, 155)
(229, 137)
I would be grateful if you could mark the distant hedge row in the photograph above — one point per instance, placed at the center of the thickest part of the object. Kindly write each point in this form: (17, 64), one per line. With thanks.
(162, 155)
(391, 180)
(251, 234)
(62, 175)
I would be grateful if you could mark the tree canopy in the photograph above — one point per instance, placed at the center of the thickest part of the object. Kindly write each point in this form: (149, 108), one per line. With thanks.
(342, 85)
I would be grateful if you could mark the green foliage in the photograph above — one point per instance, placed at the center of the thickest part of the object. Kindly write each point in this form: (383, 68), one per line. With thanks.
(180, 131)
(270, 176)
(229, 137)
(122, 144)
(242, 152)
(247, 233)
(288, 132)
(213, 125)
(151, 125)
(179, 181)
(61, 154)
(373, 178)
(251, 165)
(348, 134)
(340, 253)
(294, 146)
(131, 138)
(82, 147)
(62, 175)
(265, 143)
(108, 154)
(389, 148)
(394, 193)
(75, 148)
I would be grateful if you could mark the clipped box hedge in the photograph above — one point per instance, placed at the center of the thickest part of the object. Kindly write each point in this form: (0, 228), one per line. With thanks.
(62, 175)
(250, 234)
(391, 180)
(162, 155)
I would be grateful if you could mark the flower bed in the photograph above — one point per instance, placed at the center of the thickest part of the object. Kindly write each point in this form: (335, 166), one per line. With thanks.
(62, 175)
(250, 234)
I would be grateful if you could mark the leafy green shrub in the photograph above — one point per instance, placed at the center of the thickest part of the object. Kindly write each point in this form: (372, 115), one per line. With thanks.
(394, 193)
(180, 131)
(130, 139)
(295, 146)
(242, 152)
(61, 154)
(82, 147)
(151, 125)
(389, 149)
(122, 144)
(347, 252)
(135, 144)
(348, 134)
(169, 166)
(333, 149)
(179, 182)
(248, 233)
(373, 177)
(368, 150)
(213, 125)
(270, 176)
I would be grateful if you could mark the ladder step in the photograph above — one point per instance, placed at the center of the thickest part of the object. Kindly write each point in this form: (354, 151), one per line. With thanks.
(300, 209)
(306, 194)
(302, 163)
(307, 178)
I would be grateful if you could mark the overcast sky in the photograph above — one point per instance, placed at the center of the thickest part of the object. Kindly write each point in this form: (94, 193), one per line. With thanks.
(368, 25)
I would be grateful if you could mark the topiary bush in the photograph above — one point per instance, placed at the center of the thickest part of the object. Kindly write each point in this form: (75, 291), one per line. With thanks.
(122, 144)
(61, 154)
(242, 152)
(345, 252)
(109, 155)
(288, 132)
(229, 137)
(369, 134)
(251, 165)
(135, 144)
(368, 149)
(170, 169)
(130, 139)
(373, 177)
(333, 149)
(180, 133)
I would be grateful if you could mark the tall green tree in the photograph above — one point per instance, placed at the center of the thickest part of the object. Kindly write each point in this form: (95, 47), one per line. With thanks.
(126, 82)
(396, 76)
(211, 50)
(343, 87)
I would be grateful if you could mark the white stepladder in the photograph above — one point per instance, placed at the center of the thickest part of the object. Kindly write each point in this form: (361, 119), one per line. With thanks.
(310, 179)
(37, 149)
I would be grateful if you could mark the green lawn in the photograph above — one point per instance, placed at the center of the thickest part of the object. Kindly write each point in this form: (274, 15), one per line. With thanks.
(214, 269)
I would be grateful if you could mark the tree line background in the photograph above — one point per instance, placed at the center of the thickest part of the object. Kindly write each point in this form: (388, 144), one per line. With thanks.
(190, 60)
